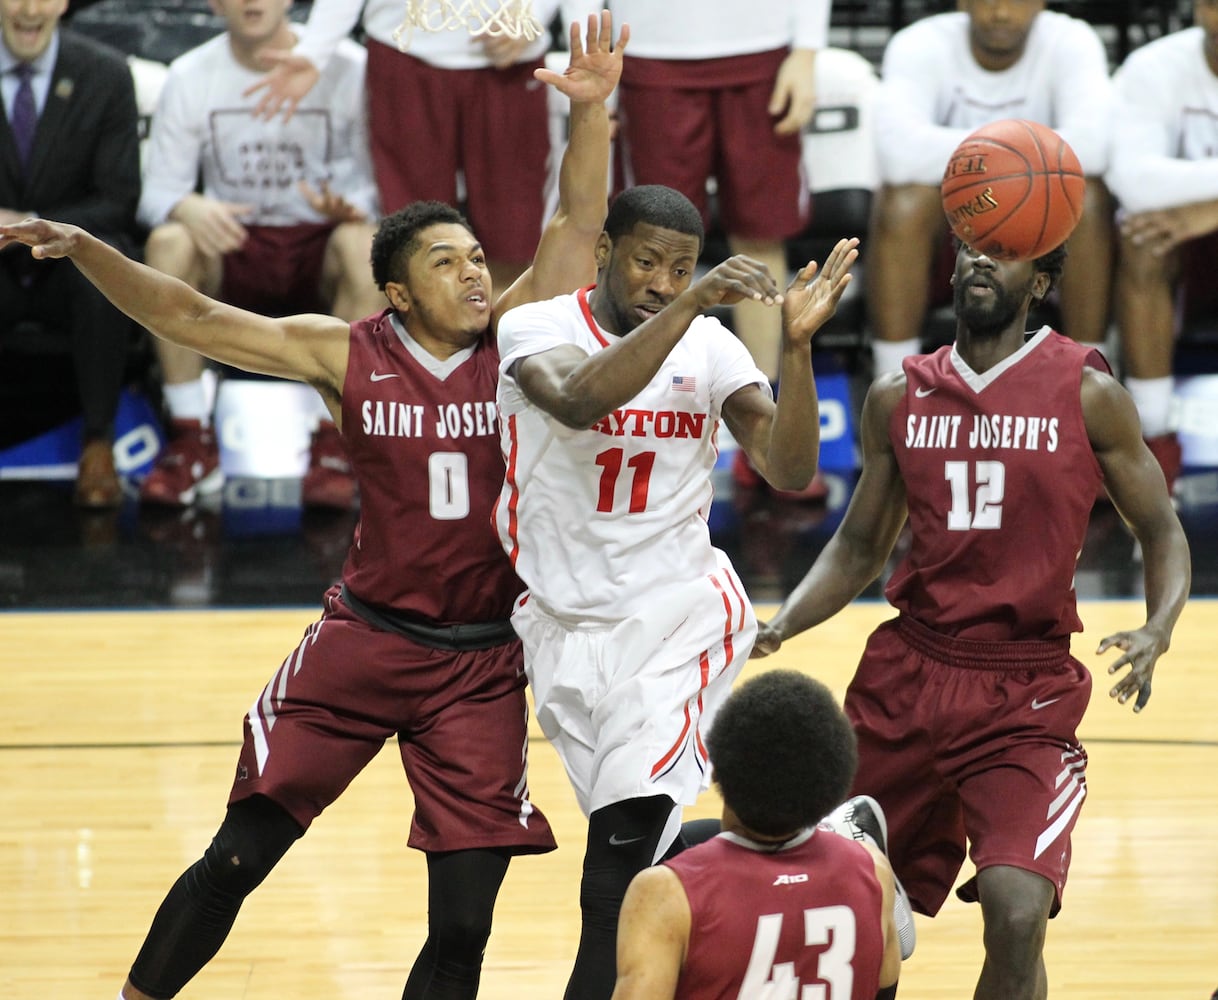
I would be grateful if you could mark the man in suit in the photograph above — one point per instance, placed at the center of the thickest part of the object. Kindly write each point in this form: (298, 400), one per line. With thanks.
(69, 148)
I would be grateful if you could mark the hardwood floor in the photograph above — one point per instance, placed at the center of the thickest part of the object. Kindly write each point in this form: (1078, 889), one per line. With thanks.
(119, 731)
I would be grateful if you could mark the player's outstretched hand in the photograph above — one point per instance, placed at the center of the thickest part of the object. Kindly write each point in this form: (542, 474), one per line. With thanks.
(736, 279)
(812, 297)
(1142, 648)
(768, 641)
(290, 78)
(46, 239)
(595, 65)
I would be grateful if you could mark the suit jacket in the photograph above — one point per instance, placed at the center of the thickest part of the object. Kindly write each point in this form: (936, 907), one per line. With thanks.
(84, 167)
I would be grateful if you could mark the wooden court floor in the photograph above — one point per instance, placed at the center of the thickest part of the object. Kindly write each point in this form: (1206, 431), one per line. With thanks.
(119, 732)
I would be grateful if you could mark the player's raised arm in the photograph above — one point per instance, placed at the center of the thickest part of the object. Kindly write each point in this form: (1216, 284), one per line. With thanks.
(308, 348)
(564, 260)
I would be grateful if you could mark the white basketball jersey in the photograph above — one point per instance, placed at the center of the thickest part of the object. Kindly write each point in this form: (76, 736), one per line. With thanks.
(594, 520)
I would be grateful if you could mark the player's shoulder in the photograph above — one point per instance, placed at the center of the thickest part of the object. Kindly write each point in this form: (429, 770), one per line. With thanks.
(207, 56)
(1062, 27)
(886, 392)
(929, 36)
(1179, 50)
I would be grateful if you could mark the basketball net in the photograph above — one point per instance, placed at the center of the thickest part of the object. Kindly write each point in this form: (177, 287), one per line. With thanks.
(512, 18)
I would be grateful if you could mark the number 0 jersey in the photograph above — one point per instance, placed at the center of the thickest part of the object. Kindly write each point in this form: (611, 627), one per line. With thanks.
(594, 520)
(422, 436)
(1000, 478)
(807, 915)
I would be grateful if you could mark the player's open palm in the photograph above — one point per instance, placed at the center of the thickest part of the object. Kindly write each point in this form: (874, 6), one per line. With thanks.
(812, 297)
(596, 63)
(291, 77)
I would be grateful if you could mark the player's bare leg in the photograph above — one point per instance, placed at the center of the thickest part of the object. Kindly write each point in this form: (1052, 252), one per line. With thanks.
(907, 227)
(346, 278)
(1146, 310)
(504, 274)
(759, 326)
(1015, 907)
(1085, 292)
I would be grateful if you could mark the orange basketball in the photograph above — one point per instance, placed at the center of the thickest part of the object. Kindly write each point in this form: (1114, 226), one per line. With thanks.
(1013, 190)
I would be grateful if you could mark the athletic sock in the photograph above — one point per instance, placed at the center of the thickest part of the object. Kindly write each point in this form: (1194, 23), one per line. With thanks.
(1153, 398)
(188, 401)
(887, 355)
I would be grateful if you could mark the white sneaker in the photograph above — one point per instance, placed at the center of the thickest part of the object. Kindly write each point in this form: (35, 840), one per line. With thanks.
(862, 819)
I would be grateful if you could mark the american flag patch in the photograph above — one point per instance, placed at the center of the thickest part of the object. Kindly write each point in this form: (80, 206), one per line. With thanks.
(684, 383)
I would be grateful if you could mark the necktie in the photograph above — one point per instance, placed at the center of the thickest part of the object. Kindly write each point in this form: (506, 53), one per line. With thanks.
(25, 115)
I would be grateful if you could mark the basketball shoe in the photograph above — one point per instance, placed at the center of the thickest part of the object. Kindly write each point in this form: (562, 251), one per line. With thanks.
(188, 467)
(862, 819)
(329, 481)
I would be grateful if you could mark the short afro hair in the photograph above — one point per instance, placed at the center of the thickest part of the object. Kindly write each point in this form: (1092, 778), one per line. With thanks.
(656, 205)
(398, 237)
(784, 753)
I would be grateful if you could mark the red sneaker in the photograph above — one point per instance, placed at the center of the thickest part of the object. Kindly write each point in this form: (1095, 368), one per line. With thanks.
(744, 476)
(188, 466)
(748, 478)
(329, 481)
(816, 490)
(1167, 452)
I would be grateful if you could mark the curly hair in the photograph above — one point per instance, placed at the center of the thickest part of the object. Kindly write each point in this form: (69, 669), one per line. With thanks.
(398, 237)
(784, 753)
(1052, 264)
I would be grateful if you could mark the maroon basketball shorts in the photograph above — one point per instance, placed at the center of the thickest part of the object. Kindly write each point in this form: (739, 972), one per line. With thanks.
(278, 271)
(964, 741)
(460, 719)
(425, 124)
(684, 121)
(1198, 291)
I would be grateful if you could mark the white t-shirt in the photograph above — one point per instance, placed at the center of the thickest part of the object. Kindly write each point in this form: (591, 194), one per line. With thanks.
(597, 519)
(933, 93)
(203, 124)
(712, 29)
(330, 21)
(1165, 125)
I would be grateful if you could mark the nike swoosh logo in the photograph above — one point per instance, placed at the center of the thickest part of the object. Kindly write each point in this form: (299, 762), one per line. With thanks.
(1037, 705)
(376, 377)
(923, 393)
(616, 841)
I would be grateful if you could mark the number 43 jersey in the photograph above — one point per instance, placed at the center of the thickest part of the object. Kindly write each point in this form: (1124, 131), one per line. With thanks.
(596, 519)
(1000, 477)
(803, 920)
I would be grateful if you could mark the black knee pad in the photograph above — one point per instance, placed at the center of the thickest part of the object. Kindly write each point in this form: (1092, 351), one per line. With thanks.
(255, 835)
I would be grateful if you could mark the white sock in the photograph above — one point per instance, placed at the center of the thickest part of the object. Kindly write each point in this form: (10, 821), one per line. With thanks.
(188, 401)
(1153, 398)
(888, 354)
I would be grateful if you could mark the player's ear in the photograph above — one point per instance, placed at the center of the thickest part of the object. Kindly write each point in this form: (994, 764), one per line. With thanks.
(1041, 285)
(603, 247)
(398, 295)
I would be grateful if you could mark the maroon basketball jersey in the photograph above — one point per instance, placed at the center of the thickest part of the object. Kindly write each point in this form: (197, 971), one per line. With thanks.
(807, 915)
(426, 454)
(1000, 477)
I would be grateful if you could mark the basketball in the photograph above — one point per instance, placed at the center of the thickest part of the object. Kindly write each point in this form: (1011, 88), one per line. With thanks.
(1013, 190)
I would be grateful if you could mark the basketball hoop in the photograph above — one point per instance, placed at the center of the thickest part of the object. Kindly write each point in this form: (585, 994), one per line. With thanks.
(510, 18)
